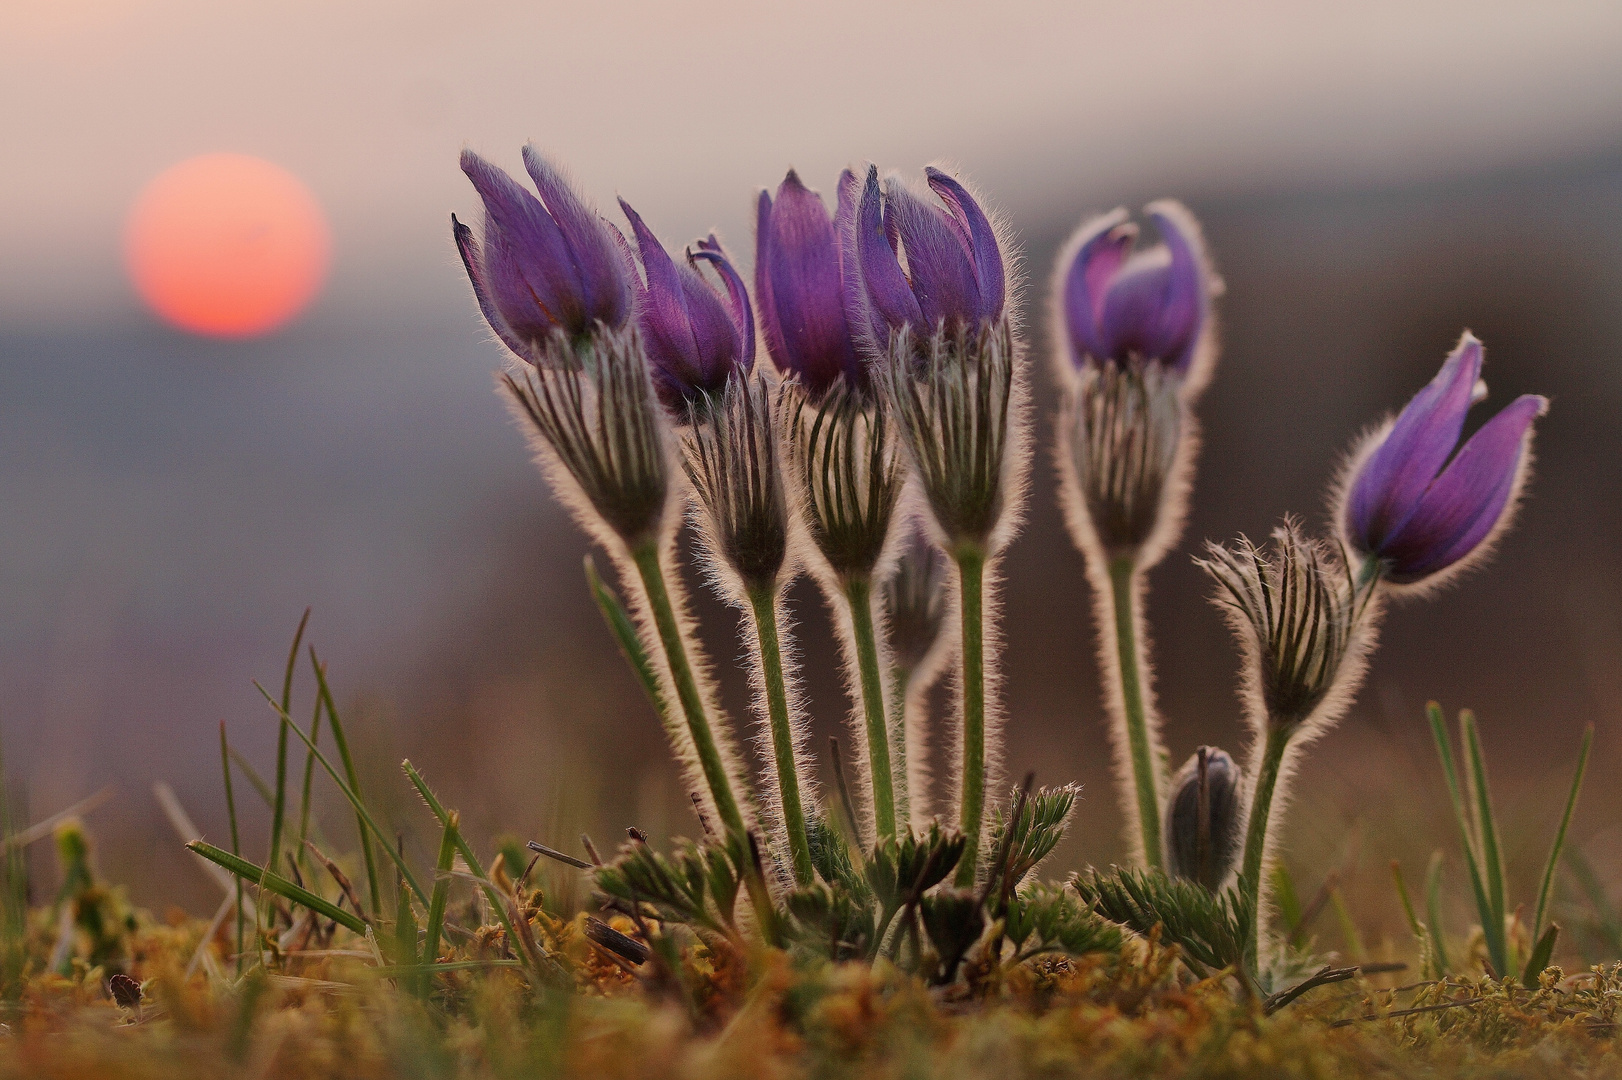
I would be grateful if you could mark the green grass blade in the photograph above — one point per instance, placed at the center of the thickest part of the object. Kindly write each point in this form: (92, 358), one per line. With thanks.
(405, 936)
(1444, 749)
(474, 867)
(266, 796)
(1547, 885)
(279, 811)
(624, 630)
(279, 885)
(442, 888)
(1414, 925)
(1433, 913)
(236, 837)
(1348, 926)
(340, 740)
(360, 807)
(1286, 899)
(304, 800)
(1542, 953)
(1491, 855)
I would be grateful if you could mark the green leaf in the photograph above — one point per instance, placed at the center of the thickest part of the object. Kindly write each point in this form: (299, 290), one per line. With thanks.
(1541, 953)
(279, 885)
(624, 631)
(1444, 749)
(442, 884)
(1491, 856)
(279, 811)
(1433, 913)
(341, 741)
(1547, 885)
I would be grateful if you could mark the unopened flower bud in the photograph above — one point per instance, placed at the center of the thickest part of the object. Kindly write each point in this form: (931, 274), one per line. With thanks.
(1204, 826)
(730, 454)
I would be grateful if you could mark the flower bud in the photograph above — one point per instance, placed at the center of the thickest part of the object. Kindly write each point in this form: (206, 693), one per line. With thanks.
(915, 601)
(800, 288)
(697, 338)
(1421, 511)
(730, 454)
(541, 266)
(1121, 428)
(1204, 826)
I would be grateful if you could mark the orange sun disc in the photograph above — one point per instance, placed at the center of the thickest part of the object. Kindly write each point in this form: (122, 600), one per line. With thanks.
(227, 245)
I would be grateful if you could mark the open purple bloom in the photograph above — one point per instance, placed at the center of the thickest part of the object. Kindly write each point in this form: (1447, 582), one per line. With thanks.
(1415, 504)
(800, 287)
(954, 274)
(1152, 305)
(544, 264)
(695, 337)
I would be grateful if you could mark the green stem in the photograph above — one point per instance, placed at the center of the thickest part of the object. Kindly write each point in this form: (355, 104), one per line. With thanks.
(764, 603)
(859, 592)
(646, 558)
(900, 679)
(1256, 841)
(971, 566)
(1122, 575)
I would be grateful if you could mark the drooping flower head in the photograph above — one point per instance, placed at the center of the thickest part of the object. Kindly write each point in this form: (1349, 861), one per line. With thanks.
(696, 337)
(1419, 508)
(953, 277)
(800, 285)
(542, 266)
(1150, 306)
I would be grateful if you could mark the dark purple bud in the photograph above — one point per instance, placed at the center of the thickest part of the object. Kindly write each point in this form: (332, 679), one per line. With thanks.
(1204, 818)
(800, 287)
(695, 336)
(954, 273)
(1415, 510)
(542, 265)
(1151, 305)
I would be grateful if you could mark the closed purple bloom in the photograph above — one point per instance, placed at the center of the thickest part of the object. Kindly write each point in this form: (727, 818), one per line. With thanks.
(954, 275)
(800, 287)
(1416, 510)
(695, 337)
(544, 264)
(1152, 305)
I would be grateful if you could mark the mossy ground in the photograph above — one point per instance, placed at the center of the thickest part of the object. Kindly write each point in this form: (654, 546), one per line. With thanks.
(322, 1010)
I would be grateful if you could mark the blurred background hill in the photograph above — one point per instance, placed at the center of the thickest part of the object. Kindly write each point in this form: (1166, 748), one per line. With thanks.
(1372, 178)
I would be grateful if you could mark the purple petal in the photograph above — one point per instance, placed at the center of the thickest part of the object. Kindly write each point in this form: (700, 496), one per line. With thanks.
(1395, 477)
(987, 253)
(1101, 246)
(764, 298)
(885, 298)
(799, 268)
(605, 292)
(468, 246)
(743, 316)
(517, 223)
(1188, 290)
(1462, 506)
(938, 259)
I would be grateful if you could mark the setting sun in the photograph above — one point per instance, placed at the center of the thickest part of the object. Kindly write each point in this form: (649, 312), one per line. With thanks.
(227, 245)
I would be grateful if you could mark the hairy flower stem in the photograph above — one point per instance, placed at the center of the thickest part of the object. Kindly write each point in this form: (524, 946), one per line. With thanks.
(646, 557)
(971, 568)
(900, 678)
(764, 603)
(1123, 588)
(859, 593)
(1261, 805)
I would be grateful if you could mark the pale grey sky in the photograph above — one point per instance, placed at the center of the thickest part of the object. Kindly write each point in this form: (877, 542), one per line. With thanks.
(686, 108)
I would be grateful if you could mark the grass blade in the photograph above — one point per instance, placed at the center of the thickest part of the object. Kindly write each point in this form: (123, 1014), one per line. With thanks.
(442, 887)
(309, 776)
(236, 839)
(266, 796)
(279, 811)
(474, 867)
(1542, 952)
(1547, 885)
(1414, 925)
(1497, 947)
(624, 630)
(279, 885)
(360, 807)
(1444, 749)
(342, 742)
(1433, 913)
(1286, 899)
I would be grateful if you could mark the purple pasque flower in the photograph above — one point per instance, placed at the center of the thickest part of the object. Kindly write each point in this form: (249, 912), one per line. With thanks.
(954, 277)
(542, 265)
(1152, 305)
(695, 336)
(1418, 507)
(800, 286)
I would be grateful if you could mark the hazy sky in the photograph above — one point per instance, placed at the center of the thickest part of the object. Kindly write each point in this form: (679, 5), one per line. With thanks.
(686, 108)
